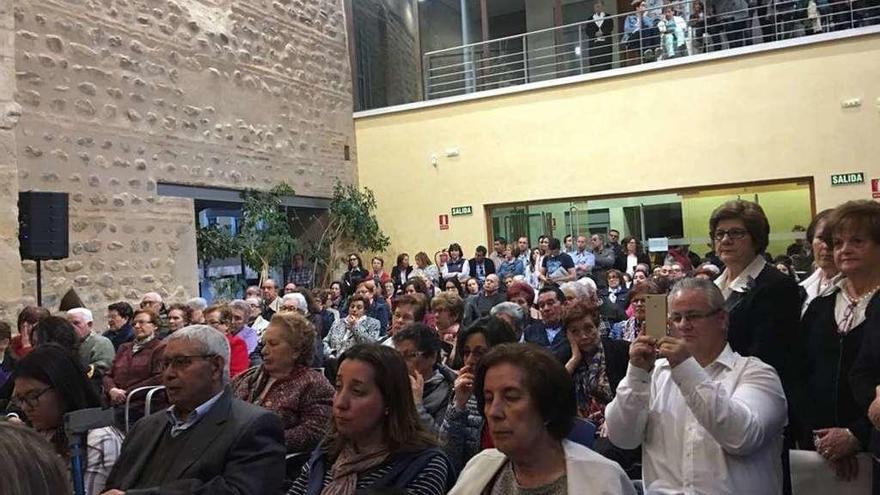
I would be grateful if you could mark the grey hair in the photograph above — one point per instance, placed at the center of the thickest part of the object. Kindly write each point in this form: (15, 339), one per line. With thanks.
(507, 308)
(580, 290)
(212, 341)
(298, 299)
(197, 303)
(240, 305)
(707, 287)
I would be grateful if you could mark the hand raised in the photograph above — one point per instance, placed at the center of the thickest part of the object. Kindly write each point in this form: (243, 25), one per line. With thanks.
(642, 352)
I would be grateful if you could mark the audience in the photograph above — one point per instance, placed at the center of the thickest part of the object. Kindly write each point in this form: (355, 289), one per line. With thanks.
(220, 318)
(700, 410)
(356, 328)
(179, 316)
(834, 331)
(208, 441)
(41, 471)
(549, 332)
(528, 403)
(95, 351)
(763, 305)
(119, 324)
(137, 363)
(463, 426)
(285, 385)
(708, 419)
(50, 382)
(432, 382)
(376, 440)
(820, 282)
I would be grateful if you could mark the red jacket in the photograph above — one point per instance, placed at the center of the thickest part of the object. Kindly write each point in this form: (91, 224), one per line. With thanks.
(238, 355)
(130, 371)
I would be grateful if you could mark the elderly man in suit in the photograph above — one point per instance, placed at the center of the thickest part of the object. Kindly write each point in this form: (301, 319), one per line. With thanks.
(550, 332)
(207, 442)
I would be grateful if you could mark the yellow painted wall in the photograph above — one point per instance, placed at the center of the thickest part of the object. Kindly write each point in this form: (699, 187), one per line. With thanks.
(773, 115)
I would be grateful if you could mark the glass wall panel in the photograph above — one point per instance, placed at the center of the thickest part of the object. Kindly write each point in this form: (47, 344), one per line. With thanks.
(681, 217)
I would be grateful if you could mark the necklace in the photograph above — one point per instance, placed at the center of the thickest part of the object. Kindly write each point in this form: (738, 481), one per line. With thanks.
(858, 299)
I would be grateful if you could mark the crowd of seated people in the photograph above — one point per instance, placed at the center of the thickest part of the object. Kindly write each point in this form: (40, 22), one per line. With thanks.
(546, 381)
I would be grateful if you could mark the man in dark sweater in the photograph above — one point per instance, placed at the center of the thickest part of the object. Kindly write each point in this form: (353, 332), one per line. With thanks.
(480, 305)
(208, 441)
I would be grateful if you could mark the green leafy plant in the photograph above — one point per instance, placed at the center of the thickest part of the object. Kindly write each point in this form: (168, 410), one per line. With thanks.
(350, 224)
(265, 237)
(214, 242)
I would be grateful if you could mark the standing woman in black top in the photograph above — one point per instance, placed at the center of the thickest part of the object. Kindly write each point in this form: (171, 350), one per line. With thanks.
(355, 274)
(833, 388)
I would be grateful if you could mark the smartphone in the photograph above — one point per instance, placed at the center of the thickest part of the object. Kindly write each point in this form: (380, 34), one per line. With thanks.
(655, 315)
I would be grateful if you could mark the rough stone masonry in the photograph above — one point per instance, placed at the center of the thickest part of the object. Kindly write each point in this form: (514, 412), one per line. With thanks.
(119, 95)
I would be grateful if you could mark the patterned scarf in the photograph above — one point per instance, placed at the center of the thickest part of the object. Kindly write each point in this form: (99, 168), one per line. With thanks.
(347, 466)
(592, 389)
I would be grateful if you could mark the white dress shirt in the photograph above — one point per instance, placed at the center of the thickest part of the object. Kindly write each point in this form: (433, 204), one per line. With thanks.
(816, 285)
(713, 430)
(740, 283)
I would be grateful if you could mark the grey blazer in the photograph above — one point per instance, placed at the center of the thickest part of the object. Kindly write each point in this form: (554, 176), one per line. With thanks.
(237, 448)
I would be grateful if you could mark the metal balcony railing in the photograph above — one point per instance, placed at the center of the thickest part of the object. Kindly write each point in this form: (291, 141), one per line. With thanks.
(673, 30)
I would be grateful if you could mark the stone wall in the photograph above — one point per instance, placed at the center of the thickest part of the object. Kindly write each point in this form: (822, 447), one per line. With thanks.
(118, 95)
(10, 282)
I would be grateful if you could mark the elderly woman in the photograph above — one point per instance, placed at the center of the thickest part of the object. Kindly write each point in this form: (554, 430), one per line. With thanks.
(523, 294)
(528, 402)
(629, 329)
(819, 283)
(285, 384)
(836, 327)
(431, 381)
(597, 363)
(763, 304)
(512, 313)
(463, 428)
(137, 363)
(356, 328)
(220, 318)
(179, 316)
(50, 382)
(376, 439)
(448, 308)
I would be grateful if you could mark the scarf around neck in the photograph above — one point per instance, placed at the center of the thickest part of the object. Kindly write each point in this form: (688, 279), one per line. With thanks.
(592, 388)
(349, 464)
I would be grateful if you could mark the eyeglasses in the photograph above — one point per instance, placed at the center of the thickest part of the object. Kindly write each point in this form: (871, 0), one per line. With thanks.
(734, 234)
(29, 400)
(181, 362)
(691, 316)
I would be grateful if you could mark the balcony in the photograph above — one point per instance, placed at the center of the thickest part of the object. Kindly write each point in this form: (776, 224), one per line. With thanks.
(678, 32)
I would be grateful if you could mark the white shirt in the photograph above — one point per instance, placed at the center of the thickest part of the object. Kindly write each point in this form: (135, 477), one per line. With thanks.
(816, 285)
(713, 430)
(740, 283)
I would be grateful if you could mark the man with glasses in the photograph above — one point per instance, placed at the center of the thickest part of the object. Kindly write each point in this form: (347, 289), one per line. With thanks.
(153, 301)
(208, 441)
(709, 420)
(271, 301)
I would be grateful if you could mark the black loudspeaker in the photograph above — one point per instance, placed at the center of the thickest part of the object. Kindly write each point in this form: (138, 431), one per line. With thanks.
(43, 225)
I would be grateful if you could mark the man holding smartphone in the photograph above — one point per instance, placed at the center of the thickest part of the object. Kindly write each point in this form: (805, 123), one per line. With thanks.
(709, 420)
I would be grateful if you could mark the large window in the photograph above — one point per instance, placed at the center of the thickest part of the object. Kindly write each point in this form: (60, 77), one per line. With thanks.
(680, 217)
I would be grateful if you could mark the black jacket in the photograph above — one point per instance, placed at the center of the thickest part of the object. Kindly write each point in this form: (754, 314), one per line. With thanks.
(537, 334)
(764, 320)
(235, 448)
(865, 374)
(395, 276)
(616, 360)
(820, 391)
(620, 262)
(487, 263)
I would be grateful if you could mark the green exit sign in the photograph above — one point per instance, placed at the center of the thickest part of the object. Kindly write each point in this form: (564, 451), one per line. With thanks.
(458, 211)
(847, 179)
